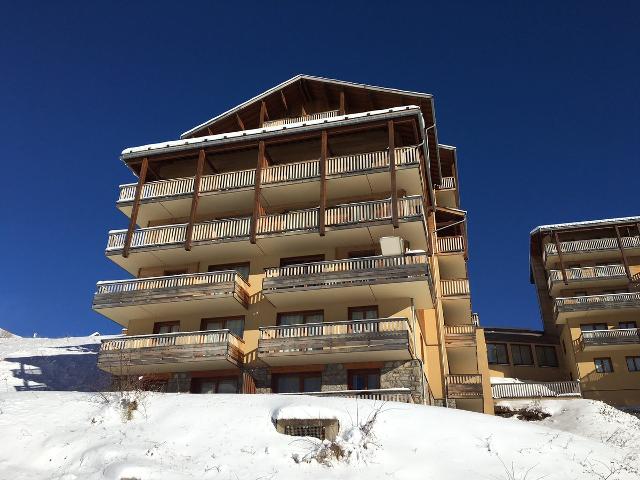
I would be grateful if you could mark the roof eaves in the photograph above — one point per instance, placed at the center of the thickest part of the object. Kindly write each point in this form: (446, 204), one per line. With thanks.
(587, 223)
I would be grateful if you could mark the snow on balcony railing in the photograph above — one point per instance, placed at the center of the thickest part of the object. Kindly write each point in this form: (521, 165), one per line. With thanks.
(455, 287)
(380, 394)
(171, 339)
(597, 302)
(451, 244)
(536, 389)
(587, 273)
(616, 336)
(447, 183)
(303, 118)
(597, 244)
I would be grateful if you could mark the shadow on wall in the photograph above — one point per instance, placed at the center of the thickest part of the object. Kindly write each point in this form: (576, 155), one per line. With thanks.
(66, 372)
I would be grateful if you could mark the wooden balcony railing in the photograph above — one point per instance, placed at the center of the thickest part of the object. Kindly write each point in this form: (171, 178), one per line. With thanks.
(352, 271)
(402, 395)
(616, 336)
(465, 385)
(475, 319)
(451, 244)
(118, 355)
(536, 389)
(587, 273)
(194, 286)
(346, 337)
(593, 245)
(597, 302)
(454, 288)
(288, 172)
(447, 183)
(303, 118)
(460, 335)
(289, 222)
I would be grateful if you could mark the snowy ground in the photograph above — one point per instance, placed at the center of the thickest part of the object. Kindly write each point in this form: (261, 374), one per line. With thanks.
(83, 435)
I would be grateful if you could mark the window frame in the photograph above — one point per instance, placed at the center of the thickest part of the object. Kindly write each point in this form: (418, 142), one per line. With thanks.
(224, 320)
(584, 325)
(171, 323)
(513, 356)
(546, 348)
(223, 267)
(506, 352)
(301, 378)
(630, 322)
(365, 372)
(364, 308)
(603, 359)
(635, 359)
(304, 313)
(197, 382)
(299, 260)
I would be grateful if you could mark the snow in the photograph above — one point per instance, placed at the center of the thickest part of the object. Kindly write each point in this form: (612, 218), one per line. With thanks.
(64, 435)
(50, 364)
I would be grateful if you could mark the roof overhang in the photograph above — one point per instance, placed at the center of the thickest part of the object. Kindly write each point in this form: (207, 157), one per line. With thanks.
(606, 222)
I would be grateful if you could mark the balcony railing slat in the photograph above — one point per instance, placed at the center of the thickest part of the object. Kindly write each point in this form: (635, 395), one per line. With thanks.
(451, 244)
(597, 244)
(596, 302)
(588, 273)
(616, 336)
(536, 389)
(300, 119)
(455, 287)
(382, 394)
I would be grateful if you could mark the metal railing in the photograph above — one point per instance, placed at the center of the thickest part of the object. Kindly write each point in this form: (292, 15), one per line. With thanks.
(171, 339)
(451, 244)
(300, 119)
(536, 389)
(447, 183)
(348, 327)
(597, 302)
(597, 244)
(455, 287)
(587, 273)
(381, 394)
(616, 336)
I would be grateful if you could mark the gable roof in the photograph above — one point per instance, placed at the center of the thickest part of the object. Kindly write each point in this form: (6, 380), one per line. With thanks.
(291, 81)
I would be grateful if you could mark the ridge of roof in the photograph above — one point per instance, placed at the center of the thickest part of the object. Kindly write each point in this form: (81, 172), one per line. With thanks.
(295, 79)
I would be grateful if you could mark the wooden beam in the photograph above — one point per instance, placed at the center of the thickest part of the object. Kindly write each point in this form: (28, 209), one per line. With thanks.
(209, 131)
(136, 206)
(284, 103)
(342, 108)
(559, 250)
(625, 262)
(322, 213)
(392, 172)
(194, 200)
(257, 207)
(240, 122)
(263, 114)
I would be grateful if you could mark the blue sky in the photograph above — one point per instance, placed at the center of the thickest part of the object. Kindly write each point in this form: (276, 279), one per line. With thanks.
(542, 101)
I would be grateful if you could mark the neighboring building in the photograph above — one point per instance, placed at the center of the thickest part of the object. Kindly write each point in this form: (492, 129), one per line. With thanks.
(308, 240)
(587, 275)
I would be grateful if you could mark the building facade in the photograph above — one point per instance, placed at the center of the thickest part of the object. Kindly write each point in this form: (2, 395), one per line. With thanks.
(309, 240)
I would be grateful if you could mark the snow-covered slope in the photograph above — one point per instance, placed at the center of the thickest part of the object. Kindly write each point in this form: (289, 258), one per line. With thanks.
(69, 435)
(50, 364)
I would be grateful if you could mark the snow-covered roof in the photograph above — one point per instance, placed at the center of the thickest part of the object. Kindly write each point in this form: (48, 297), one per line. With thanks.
(185, 144)
(293, 80)
(587, 223)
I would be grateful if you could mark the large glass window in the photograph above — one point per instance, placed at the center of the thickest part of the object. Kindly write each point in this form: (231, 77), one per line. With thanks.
(547, 356)
(298, 318)
(166, 327)
(633, 364)
(297, 382)
(521, 355)
(214, 385)
(497, 353)
(363, 313)
(627, 325)
(234, 324)
(364, 379)
(603, 365)
(588, 327)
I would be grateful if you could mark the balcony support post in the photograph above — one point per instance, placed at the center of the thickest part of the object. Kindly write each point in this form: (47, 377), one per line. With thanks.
(194, 199)
(392, 171)
(257, 206)
(136, 206)
(263, 114)
(624, 256)
(240, 122)
(342, 107)
(559, 250)
(322, 212)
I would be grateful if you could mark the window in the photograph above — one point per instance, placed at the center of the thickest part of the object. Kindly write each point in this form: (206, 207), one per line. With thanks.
(175, 271)
(234, 324)
(521, 355)
(627, 325)
(242, 268)
(297, 382)
(588, 327)
(633, 364)
(166, 327)
(363, 313)
(603, 365)
(364, 379)
(497, 353)
(285, 262)
(546, 356)
(299, 318)
(214, 385)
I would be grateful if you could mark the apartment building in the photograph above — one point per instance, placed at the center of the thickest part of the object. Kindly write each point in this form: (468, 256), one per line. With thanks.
(309, 240)
(587, 276)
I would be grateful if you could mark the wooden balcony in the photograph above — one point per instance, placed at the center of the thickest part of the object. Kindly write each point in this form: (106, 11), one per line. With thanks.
(455, 288)
(583, 249)
(614, 338)
(301, 119)
(382, 339)
(446, 192)
(171, 352)
(125, 300)
(447, 183)
(281, 184)
(402, 395)
(353, 280)
(603, 275)
(459, 336)
(536, 390)
(464, 386)
(451, 244)
(567, 307)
